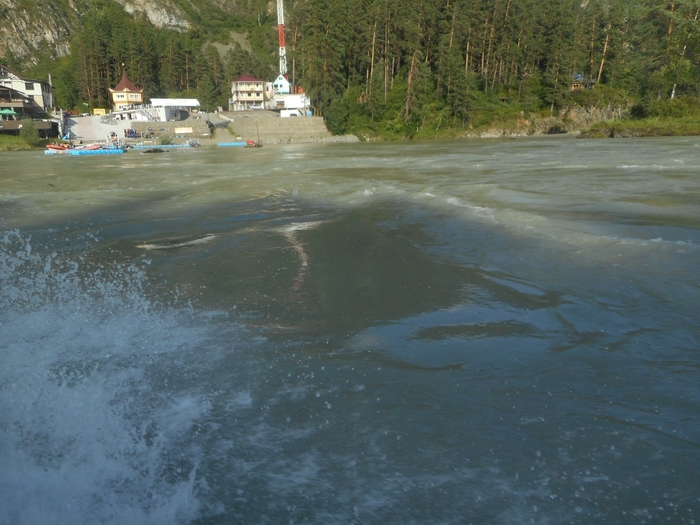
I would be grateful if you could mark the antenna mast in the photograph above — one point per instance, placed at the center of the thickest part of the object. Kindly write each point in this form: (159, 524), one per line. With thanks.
(280, 30)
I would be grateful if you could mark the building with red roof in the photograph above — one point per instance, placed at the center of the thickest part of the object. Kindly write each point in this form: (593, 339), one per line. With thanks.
(126, 94)
(247, 93)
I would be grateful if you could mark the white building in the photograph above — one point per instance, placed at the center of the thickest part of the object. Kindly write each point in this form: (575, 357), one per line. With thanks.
(283, 102)
(280, 97)
(37, 90)
(281, 85)
(159, 110)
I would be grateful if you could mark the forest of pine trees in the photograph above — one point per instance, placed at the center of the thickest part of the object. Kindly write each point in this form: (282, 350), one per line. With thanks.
(384, 67)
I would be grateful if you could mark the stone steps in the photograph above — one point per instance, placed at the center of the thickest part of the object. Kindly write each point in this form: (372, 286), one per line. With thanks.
(272, 129)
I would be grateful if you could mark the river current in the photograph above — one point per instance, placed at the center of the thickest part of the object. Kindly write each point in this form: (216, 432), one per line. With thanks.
(485, 332)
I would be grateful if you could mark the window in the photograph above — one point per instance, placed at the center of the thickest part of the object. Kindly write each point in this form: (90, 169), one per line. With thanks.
(29, 86)
(121, 96)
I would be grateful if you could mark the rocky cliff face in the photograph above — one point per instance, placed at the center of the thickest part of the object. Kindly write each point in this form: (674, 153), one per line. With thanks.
(160, 13)
(27, 27)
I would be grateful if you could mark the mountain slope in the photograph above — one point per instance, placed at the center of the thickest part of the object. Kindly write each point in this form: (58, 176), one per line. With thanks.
(29, 29)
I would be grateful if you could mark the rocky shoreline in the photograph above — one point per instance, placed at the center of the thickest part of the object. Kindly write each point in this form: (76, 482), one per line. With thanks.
(574, 121)
(267, 127)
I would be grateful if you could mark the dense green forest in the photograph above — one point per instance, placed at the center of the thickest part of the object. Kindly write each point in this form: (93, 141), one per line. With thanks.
(395, 68)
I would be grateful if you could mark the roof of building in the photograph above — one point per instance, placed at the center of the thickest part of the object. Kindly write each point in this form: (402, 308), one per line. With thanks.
(10, 71)
(244, 78)
(6, 91)
(21, 77)
(126, 85)
(175, 102)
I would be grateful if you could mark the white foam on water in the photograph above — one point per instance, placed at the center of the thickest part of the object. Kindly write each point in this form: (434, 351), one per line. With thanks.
(659, 167)
(301, 226)
(86, 436)
(177, 244)
(478, 211)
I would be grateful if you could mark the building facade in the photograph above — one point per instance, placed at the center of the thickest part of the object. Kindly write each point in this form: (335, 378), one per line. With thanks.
(159, 110)
(281, 86)
(247, 93)
(38, 91)
(126, 94)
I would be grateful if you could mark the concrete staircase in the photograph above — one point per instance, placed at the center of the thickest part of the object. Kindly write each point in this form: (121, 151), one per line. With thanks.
(89, 128)
(272, 129)
(268, 126)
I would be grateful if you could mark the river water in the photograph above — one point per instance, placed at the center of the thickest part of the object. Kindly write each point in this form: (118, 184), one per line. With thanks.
(486, 332)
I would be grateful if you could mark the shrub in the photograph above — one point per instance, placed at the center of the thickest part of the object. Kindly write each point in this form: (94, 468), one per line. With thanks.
(337, 116)
(675, 108)
(29, 133)
(639, 111)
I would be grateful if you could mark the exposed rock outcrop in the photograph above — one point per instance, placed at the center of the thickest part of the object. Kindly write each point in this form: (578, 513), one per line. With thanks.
(28, 28)
(571, 120)
(585, 117)
(25, 28)
(161, 14)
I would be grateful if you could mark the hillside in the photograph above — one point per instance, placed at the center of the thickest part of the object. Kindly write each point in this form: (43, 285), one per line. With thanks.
(29, 29)
(371, 67)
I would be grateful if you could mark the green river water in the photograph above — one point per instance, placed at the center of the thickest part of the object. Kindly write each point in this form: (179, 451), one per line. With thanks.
(486, 332)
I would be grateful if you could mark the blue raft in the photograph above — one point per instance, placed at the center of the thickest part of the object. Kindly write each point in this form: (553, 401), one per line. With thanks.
(241, 143)
(111, 151)
(166, 146)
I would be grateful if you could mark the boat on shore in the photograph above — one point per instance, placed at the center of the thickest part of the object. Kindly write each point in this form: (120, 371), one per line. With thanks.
(90, 149)
(111, 146)
(76, 152)
(241, 143)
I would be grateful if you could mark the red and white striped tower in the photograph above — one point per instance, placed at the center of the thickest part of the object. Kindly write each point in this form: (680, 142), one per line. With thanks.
(283, 45)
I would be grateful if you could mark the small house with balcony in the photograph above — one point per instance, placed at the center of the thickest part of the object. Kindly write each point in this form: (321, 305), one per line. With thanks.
(581, 82)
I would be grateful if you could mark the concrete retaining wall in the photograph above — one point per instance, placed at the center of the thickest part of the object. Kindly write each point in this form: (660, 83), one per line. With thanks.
(200, 128)
(273, 129)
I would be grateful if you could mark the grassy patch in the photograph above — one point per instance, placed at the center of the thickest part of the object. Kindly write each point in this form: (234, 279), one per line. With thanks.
(15, 143)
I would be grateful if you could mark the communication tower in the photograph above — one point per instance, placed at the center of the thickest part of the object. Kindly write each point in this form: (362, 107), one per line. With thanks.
(283, 45)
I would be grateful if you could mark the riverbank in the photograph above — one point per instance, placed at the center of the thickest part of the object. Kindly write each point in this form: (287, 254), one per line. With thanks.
(263, 126)
(14, 143)
(571, 120)
(259, 125)
(647, 127)
(622, 128)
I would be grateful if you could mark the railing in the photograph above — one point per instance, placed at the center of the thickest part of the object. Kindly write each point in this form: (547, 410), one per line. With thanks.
(145, 110)
(151, 116)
